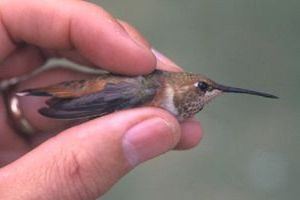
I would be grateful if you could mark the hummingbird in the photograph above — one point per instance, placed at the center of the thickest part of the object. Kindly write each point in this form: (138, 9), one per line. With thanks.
(182, 94)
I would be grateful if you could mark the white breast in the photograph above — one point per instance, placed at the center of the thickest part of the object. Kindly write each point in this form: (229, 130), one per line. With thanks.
(168, 102)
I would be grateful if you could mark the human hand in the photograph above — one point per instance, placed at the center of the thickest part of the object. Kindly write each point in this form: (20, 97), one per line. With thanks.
(84, 161)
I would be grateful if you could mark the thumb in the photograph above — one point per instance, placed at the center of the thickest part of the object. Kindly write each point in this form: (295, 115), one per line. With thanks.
(84, 161)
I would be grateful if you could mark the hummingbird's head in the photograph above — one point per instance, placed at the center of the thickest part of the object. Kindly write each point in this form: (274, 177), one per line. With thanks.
(209, 89)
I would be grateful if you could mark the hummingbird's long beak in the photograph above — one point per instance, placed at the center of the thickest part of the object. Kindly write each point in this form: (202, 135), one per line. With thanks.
(229, 89)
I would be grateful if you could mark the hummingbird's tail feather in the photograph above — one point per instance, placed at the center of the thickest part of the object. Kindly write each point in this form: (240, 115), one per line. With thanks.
(33, 92)
(48, 91)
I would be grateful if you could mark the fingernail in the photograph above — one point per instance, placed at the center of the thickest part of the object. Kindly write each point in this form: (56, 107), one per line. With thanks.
(148, 139)
(164, 61)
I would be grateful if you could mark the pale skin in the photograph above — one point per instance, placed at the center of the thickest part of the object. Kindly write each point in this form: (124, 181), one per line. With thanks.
(85, 161)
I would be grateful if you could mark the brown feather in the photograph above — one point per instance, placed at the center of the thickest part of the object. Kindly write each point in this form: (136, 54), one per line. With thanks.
(75, 88)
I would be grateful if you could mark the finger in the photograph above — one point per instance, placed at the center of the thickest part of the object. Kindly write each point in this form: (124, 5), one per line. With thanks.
(134, 33)
(163, 62)
(64, 25)
(192, 134)
(21, 61)
(88, 159)
(7, 45)
(72, 55)
(76, 57)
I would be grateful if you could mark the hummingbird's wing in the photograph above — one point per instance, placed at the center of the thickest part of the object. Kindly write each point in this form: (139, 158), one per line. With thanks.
(72, 89)
(115, 95)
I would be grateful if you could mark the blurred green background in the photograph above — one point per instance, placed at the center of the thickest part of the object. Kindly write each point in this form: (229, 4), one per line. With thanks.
(251, 145)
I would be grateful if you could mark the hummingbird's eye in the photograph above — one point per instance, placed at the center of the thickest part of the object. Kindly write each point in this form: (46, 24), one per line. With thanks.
(202, 85)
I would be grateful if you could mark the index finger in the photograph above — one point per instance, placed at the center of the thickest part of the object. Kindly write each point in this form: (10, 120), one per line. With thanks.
(68, 24)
